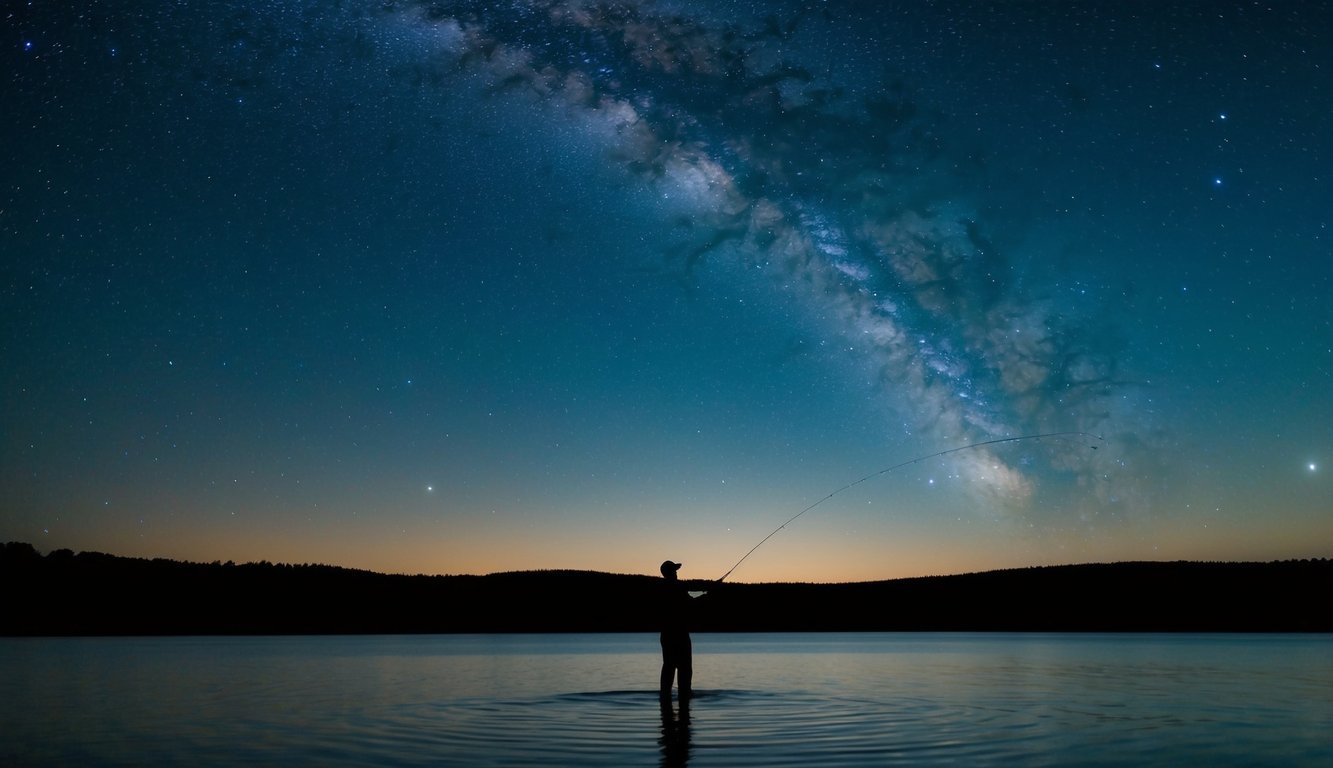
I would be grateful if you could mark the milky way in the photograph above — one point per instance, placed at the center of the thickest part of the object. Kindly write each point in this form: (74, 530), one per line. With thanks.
(835, 194)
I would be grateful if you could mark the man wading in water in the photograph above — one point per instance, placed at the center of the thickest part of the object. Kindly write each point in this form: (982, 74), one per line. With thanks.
(677, 655)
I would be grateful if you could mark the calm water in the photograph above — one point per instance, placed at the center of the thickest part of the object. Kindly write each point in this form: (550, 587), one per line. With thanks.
(764, 700)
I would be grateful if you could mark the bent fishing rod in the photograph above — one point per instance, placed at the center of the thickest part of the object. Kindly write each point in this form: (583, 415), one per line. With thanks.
(900, 466)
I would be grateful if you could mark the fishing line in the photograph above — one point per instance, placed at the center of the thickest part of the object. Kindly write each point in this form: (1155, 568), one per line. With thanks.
(900, 466)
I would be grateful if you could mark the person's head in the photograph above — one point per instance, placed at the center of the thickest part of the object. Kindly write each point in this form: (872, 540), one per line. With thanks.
(669, 569)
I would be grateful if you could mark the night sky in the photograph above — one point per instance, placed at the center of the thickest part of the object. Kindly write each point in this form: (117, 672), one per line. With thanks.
(463, 287)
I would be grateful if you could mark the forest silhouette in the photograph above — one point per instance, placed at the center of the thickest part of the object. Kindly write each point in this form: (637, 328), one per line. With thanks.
(92, 593)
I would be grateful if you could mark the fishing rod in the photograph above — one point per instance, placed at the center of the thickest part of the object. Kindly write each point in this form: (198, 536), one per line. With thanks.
(900, 466)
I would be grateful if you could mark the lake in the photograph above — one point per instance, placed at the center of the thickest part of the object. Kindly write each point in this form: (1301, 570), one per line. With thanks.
(587, 700)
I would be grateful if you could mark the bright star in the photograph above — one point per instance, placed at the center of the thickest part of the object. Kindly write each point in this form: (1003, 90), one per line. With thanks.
(1313, 467)
(430, 489)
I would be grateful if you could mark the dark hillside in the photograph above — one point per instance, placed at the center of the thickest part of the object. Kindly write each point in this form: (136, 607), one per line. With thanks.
(64, 593)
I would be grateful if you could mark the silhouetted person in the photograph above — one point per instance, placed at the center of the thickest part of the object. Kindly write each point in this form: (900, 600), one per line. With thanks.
(677, 655)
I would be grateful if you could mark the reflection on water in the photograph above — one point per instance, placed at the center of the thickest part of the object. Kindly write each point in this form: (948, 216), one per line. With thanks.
(675, 732)
(763, 700)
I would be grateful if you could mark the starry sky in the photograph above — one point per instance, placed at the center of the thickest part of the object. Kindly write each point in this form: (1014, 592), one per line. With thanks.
(464, 287)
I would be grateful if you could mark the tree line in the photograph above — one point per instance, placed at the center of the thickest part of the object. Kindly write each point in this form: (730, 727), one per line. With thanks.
(92, 593)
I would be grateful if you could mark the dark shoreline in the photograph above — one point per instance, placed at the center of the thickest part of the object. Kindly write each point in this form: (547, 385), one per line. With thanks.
(91, 593)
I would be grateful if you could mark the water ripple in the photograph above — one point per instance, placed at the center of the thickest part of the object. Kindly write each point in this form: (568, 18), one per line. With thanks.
(719, 727)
